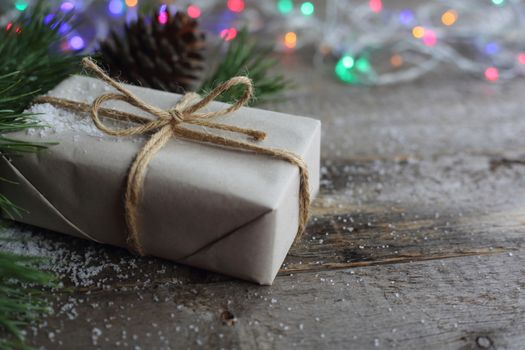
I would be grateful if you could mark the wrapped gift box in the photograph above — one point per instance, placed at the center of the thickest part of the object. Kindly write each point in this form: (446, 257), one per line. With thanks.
(215, 208)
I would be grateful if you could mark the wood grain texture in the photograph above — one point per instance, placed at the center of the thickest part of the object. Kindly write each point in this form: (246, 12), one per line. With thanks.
(416, 239)
(460, 303)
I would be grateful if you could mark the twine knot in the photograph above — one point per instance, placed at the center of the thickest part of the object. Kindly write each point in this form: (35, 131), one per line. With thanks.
(171, 123)
(176, 116)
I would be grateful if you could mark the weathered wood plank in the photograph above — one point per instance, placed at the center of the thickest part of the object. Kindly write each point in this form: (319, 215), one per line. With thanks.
(468, 303)
(418, 173)
(384, 215)
(427, 170)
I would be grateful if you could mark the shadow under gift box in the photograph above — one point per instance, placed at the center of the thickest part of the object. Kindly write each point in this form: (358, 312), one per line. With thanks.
(220, 209)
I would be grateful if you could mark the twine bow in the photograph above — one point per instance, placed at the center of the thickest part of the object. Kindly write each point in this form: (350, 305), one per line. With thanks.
(170, 123)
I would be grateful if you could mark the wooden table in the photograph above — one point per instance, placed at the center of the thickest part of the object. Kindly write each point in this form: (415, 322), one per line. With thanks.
(416, 240)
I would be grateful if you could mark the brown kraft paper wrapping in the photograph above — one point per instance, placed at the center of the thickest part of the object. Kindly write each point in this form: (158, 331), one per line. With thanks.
(218, 209)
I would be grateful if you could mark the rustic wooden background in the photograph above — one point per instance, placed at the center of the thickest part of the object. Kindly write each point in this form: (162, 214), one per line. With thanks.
(416, 240)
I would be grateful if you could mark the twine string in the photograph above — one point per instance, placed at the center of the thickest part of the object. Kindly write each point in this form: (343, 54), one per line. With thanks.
(169, 124)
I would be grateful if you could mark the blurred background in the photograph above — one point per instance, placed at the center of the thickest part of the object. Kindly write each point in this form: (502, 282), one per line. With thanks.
(375, 42)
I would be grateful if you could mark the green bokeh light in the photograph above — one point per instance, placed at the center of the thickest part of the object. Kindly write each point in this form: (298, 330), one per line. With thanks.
(21, 5)
(363, 65)
(344, 73)
(348, 61)
(285, 6)
(307, 8)
(498, 2)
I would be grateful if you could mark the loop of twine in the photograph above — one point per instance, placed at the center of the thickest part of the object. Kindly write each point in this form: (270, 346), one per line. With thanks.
(169, 123)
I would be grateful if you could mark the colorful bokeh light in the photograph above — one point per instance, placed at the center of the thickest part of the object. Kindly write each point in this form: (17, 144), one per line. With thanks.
(285, 6)
(344, 73)
(449, 17)
(521, 58)
(363, 65)
(194, 11)
(163, 17)
(64, 28)
(290, 40)
(21, 5)
(116, 7)
(396, 60)
(418, 32)
(67, 6)
(375, 5)
(406, 17)
(348, 61)
(492, 74)
(228, 34)
(307, 8)
(48, 18)
(131, 3)
(235, 5)
(76, 43)
(429, 38)
(491, 48)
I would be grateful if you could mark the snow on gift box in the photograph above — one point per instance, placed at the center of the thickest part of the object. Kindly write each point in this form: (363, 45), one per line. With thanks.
(212, 207)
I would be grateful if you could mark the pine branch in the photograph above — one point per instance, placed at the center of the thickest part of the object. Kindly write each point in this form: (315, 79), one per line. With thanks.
(20, 302)
(29, 65)
(243, 57)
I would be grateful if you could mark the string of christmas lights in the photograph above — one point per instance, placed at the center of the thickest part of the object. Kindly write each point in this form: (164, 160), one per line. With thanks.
(365, 41)
(378, 46)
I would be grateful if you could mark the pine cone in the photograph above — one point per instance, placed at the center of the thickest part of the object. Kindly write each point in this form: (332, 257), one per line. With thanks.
(160, 56)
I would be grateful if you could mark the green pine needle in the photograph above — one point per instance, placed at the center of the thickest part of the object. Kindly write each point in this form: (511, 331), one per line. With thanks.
(20, 301)
(243, 57)
(30, 65)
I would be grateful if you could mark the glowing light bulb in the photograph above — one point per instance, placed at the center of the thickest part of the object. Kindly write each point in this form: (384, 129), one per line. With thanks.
(449, 17)
(163, 17)
(521, 57)
(64, 28)
(307, 8)
(131, 3)
(116, 7)
(194, 11)
(67, 6)
(363, 65)
(76, 43)
(348, 62)
(290, 40)
(492, 74)
(376, 5)
(228, 34)
(429, 38)
(344, 73)
(406, 17)
(396, 60)
(491, 48)
(285, 6)
(418, 32)
(21, 5)
(235, 5)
